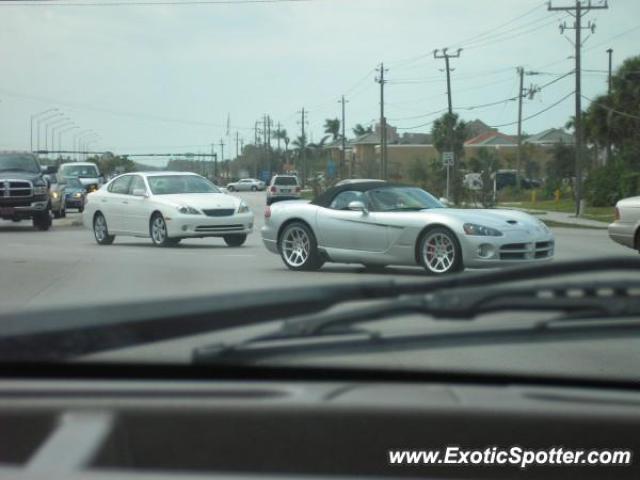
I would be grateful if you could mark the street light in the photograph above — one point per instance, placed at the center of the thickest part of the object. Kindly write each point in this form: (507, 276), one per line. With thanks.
(64, 130)
(57, 127)
(42, 120)
(47, 124)
(76, 140)
(84, 136)
(35, 117)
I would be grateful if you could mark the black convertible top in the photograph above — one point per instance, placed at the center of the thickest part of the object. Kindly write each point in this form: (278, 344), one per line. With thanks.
(325, 198)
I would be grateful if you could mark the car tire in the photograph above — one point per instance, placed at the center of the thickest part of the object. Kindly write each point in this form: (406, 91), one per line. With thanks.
(231, 189)
(80, 209)
(439, 251)
(235, 240)
(63, 210)
(42, 221)
(298, 248)
(254, 189)
(158, 232)
(101, 230)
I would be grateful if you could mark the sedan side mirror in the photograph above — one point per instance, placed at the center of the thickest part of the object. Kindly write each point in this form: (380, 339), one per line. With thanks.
(140, 192)
(357, 206)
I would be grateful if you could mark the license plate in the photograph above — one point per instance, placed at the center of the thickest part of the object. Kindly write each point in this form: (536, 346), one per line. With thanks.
(7, 211)
(285, 191)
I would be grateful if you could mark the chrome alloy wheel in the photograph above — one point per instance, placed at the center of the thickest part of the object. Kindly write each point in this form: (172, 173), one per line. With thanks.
(158, 230)
(296, 246)
(100, 228)
(439, 252)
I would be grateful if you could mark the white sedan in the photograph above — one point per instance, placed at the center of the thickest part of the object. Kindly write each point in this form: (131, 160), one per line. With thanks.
(167, 207)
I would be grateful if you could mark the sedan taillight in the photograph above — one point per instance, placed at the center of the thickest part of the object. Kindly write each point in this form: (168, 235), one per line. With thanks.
(273, 189)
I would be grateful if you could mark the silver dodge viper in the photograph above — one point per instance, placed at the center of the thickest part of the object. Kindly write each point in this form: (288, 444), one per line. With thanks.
(376, 223)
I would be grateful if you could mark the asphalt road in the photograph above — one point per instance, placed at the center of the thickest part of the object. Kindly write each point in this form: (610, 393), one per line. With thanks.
(65, 265)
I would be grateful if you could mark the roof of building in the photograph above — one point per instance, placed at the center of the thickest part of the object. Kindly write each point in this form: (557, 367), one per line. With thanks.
(551, 136)
(477, 127)
(491, 138)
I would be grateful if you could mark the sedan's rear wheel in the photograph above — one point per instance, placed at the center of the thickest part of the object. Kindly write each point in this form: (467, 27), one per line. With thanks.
(298, 248)
(440, 252)
(254, 188)
(101, 231)
(231, 188)
(158, 231)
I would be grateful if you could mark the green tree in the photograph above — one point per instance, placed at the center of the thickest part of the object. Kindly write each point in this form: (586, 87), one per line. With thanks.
(449, 134)
(359, 130)
(488, 163)
(332, 127)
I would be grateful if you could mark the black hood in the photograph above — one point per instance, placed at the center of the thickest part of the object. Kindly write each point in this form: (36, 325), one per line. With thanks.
(18, 175)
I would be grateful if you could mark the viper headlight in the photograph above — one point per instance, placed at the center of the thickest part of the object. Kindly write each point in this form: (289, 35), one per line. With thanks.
(543, 225)
(187, 210)
(243, 208)
(480, 230)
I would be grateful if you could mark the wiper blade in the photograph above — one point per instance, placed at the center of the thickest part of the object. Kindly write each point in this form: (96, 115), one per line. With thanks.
(599, 301)
(72, 332)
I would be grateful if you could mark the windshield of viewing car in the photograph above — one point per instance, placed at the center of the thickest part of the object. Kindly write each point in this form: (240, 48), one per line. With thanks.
(392, 199)
(356, 143)
(172, 184)
(18, 163)
(81, 171)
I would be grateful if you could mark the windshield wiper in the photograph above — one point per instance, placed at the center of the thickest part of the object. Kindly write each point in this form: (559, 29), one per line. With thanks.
(72, 332)
(595, 301)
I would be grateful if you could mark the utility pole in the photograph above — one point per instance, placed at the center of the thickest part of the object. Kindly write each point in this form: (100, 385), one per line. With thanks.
(303, 148)
(578, 11)
(609, 113)
(522, 93)
(383, 123)
(343, 152)
(237, 142)
(453, 160)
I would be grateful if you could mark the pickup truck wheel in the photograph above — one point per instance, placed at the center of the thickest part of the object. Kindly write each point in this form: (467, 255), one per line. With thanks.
(101, 231)
(42, 221)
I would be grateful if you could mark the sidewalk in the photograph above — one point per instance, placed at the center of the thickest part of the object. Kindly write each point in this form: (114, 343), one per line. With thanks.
(562, 217)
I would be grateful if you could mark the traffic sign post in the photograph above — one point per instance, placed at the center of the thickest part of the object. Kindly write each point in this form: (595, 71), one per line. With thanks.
(447, 161)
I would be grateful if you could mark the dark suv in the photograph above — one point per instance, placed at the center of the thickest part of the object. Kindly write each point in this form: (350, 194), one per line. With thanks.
(24, 192)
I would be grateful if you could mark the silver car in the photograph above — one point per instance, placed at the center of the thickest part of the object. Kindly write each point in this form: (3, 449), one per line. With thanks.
(246, 185)
(626, 227)
(377, 223)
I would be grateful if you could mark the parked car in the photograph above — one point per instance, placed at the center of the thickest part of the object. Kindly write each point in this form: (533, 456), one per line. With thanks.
(57, 187)
(246, 185)
(167, 207)
(75, 194)
(86, 172)
(379, 224)
(24, 193)
(283, 187)
(625, 228)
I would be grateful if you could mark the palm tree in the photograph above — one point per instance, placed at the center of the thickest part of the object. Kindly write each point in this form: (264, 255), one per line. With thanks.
(359, 130)
(449, 134)
(332, 127)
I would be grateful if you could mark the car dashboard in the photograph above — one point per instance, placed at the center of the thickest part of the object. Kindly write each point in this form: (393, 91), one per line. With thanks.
(85, 428)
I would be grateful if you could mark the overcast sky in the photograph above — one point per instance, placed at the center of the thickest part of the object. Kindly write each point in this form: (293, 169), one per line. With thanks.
(167, 77)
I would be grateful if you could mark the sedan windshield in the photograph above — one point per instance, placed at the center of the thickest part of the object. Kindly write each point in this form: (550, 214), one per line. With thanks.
(173, 184)
(391, 199)
(18, 163)
(73, 182)
(80, 171)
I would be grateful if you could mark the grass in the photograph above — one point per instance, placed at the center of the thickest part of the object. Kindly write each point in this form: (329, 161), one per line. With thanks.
(600, 214)
(306, 195)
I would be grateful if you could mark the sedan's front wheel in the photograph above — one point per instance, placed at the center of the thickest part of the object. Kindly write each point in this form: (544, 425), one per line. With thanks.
(298, 248)
(158, 231)
(100, 230)
(440, 252)
(235, 240)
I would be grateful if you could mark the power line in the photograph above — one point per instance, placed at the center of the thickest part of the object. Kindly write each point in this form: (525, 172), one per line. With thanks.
(54, 3)
(612, 110)
(555, 104)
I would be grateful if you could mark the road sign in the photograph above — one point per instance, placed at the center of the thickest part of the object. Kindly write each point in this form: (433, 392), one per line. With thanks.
(447, 159)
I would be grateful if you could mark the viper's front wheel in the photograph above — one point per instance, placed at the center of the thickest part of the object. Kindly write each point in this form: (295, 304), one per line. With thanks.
(439, 251)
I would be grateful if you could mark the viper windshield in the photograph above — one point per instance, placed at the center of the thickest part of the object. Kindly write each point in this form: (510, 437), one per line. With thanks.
(392, 199)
